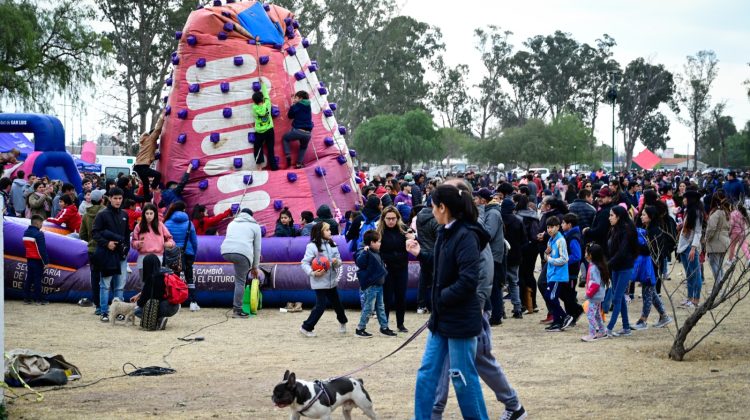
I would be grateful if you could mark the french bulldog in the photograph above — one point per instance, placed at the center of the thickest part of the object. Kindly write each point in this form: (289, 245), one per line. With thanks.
(297, 394)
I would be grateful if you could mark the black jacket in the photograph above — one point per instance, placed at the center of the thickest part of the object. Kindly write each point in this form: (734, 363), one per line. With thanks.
(456, 258)
(111, 224)
(623, 244)
(515, 234)
(393, 248)
(599, 229)
(153, 288)
(585, 212)
(371, 211)
(427, 229)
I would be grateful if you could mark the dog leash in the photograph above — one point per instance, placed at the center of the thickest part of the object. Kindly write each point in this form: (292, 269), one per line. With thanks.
(322, 385)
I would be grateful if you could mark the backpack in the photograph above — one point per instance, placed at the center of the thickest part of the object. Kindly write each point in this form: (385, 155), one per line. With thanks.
(175, 289)
(531, 226)
(366, 225)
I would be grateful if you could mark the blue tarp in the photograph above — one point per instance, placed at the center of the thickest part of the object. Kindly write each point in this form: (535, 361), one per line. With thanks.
(84, 166)
(9, 141)
(256, 21)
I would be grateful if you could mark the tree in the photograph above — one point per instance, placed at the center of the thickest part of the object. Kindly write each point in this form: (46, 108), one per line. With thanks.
(694, 94)
(142, 36)
(738, 148)
(713, 140)
(453, 143)
(46, 52)
(595, 79)
(493, 45)
(643, 89)
(569, 139)
(655, 131)
(527, 99)
(405, 139)
(450, 96)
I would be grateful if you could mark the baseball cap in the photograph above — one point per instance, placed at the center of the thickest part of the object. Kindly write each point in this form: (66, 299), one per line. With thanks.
(484, 193)
(97, 195)
(604, 192)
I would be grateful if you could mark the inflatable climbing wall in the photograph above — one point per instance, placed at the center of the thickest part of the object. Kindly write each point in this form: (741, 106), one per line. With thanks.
(217, 67)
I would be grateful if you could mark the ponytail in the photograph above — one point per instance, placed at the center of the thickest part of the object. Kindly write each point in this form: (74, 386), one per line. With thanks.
(457, 200)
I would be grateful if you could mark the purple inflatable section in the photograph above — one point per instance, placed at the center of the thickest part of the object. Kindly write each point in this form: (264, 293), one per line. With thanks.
(67, 278)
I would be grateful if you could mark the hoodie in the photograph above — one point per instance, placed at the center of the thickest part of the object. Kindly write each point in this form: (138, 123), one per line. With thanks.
(179, 225)
(324, 215)
(515, 234)
(371, 213)
(16, 195)
(243, 237)
(330, 278)
(493, 223)
(87, 224)
(68, 216)
(301, 115)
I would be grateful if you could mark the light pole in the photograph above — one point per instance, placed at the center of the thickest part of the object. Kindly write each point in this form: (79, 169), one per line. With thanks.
(612, 96)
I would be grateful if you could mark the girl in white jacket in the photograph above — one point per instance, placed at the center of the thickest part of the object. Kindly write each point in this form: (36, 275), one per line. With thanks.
(323, 281)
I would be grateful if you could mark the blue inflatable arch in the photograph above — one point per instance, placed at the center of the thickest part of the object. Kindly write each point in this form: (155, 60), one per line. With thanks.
(49, 139)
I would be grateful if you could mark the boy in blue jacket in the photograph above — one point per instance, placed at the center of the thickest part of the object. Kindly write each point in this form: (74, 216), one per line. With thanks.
(371, 275)
(37, 258)
(301, 115)
(574, 241)
(556, 256)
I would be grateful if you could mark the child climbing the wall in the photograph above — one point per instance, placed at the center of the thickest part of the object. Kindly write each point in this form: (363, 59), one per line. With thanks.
(146, 156)
(301, 114)
(264, 133)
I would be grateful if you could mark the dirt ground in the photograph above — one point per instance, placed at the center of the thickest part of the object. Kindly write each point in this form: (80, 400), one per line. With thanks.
(231, 373)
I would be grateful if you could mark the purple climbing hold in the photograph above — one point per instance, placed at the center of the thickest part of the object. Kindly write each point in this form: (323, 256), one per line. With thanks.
(277, 160)
(328, 113)
(182, 138)
(251, 138)
(320, 171)
(201, 62)
(194, 88)
(217, 2)
(300, 75)
(247, 179)
(333, 106)
(256, 87)
(342, 130)
(278, 205)
(264, 59)
(275, 112)
(291, 177)
(305, 42)
(192, 40)
(175, 60)
(315, 62)
(266, 7)
(312, 68)
(251, 41)
(227, 112)
(322, 84)
(215, 137)
(221, 35)
(295, 24)
(226, 13)
(357, 207)
(230, 1)
(238, 61)
(277, 47)
(328, 141)
(358, 180)
(157, 155)
(287, 21)
(166, 99)
(203, 184)
(178, 35)
(345, 188)
(224, 87)
(238, 162)
(167, 110)
(174, 54)
(196, 163)
(235, 208)
(182, 114)
(352, 153)
(290, 35)
(291, 51)
(263, 231)
(168, 82)
(341, 159)
(322, 90)
(229, 26)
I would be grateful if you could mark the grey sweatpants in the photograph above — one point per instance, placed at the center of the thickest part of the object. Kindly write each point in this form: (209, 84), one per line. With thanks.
(241, 268)
(489, 370)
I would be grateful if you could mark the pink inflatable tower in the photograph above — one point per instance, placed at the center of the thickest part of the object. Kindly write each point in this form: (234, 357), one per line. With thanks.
(216, 68)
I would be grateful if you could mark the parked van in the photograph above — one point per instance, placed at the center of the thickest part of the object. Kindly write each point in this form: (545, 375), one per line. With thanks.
(113, 165)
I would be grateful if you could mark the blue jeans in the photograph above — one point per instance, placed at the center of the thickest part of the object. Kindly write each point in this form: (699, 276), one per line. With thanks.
(489, 370)
(463, 373)
(515, 294)
(693, 274)
(119, 285)
(373, 295)
(620, 282)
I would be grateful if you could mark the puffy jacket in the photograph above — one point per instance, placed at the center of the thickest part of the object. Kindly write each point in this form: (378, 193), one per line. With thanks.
(111, 224)
(17, 196)
(370, 268)
(36, 247)
(152, 242)
(330, 278)
(178, 225)
(493, 224)
(243, 237)
(285, 231)
(301, 115)
(514, 233)
(584, 211)
(574, 242)
(455, 311)
(68, 216)
(717, 233)
(734, 190)
(402, 197)
(87, 226)
(623, 246)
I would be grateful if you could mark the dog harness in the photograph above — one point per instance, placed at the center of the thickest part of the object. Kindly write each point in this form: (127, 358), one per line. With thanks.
(321, 392)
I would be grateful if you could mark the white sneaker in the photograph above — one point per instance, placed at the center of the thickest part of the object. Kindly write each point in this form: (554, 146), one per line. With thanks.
(342, 328)
(130, 270)
(194, 307)
(306, 333)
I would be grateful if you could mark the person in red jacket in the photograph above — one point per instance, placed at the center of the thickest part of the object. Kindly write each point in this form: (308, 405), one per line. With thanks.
(36, 259)
(134, 213)
(203, 224)
(68, 215)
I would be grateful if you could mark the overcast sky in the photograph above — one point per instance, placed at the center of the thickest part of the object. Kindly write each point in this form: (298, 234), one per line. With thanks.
(664, 32)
